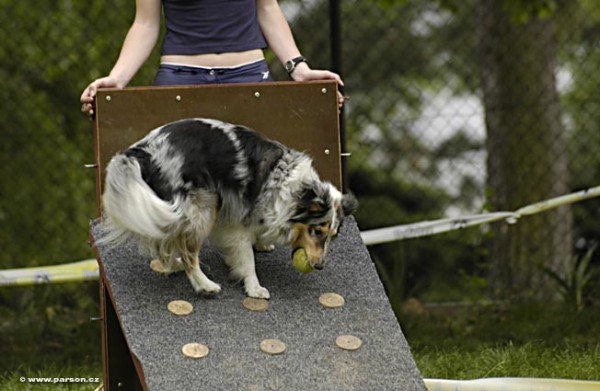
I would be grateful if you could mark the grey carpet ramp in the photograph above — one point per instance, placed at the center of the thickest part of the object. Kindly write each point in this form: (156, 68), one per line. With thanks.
(312, 360)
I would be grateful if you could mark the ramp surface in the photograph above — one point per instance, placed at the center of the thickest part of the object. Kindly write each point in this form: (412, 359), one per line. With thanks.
(312, 360)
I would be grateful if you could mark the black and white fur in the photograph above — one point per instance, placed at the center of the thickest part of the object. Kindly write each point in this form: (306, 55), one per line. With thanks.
(195, 179)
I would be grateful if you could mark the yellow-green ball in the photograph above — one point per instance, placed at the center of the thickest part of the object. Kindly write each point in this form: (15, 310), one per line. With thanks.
(300, 260)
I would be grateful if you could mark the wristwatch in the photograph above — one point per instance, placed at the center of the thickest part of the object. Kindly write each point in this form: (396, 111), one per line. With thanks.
(291, 64)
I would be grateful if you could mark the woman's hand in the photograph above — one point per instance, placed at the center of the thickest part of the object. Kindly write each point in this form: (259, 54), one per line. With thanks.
(302, 72)
(88, 96)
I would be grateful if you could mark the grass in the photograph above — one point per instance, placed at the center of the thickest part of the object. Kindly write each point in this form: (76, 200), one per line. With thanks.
(46, 331)
(522, 340)
(530, 360)
(22, 379)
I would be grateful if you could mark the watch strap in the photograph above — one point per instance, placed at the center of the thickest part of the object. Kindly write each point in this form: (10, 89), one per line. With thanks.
(290, 65)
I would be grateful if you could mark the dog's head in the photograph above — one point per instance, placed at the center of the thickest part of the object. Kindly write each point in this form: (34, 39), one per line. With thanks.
(320, 211)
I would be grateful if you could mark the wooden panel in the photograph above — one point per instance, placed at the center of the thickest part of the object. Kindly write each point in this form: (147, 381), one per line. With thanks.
(121, 369)
(303, 116)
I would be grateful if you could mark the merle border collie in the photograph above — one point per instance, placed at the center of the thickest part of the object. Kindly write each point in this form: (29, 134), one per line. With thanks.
(197, 179)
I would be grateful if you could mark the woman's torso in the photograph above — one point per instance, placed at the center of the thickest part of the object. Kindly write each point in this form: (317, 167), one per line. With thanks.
(211, 33)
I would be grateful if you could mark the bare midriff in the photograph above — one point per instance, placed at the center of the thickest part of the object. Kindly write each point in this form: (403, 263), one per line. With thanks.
(215, 60)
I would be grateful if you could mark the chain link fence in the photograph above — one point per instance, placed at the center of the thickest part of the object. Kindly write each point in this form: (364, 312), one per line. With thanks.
(455, 108)
(463, 107)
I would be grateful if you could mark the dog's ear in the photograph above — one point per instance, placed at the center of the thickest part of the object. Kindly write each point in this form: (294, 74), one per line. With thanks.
(349, 203)
(312, 202)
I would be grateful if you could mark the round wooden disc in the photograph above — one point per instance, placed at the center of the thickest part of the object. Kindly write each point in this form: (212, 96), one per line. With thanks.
(180, 307)
(256, 304)
(272, 346)
(348, 342)
(331, 300)
(195, 350)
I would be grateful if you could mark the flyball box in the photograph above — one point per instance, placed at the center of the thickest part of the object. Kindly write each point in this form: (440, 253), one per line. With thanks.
(303, 116)
(144, 344)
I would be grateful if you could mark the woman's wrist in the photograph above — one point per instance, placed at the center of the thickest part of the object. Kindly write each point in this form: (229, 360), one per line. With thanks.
(292, 63)
(300, 71)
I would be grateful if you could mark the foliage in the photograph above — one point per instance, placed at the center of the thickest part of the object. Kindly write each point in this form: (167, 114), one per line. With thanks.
(580, 28)
(397, 56)
(424, 267)
(47, 196)
(51, 50)
(522, 11)
(576, 279)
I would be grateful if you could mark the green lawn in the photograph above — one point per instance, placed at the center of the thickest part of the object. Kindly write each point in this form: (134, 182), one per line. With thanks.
(520, 340)
(47, 331)
(76, 377)
(509, 340)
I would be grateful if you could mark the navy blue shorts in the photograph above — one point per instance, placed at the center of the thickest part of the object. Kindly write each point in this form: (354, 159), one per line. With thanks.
(172, 75)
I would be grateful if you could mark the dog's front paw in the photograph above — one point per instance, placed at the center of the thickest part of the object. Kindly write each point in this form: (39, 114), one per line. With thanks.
(258, 292)
(210, 288)
(204, 286)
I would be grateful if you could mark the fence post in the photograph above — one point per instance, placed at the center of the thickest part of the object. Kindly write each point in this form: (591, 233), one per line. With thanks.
(335, 34)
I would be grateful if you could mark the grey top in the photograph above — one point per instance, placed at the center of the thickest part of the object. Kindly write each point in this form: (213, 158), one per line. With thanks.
(312, 360)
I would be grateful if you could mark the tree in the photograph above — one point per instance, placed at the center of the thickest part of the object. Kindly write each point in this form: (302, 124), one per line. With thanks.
(526, 142)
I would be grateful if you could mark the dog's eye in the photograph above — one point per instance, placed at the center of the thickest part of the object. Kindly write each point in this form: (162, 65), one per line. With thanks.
(317, 231)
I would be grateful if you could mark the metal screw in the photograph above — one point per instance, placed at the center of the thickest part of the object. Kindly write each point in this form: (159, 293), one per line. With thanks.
(324, 90)
(178, 98)
(327, 152)
(108, 98)
(257, 94)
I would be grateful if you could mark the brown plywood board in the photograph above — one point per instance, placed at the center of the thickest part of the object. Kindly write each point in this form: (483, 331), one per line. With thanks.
(303, 116)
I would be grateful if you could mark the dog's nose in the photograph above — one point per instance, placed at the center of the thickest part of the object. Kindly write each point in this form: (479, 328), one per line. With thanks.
(318, 266)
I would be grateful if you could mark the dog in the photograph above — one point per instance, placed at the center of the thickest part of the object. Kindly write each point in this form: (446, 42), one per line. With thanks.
(197, 179)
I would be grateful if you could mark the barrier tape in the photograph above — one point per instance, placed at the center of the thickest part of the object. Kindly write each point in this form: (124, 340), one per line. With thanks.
(434, 227)
(88, 269)
(70, 272)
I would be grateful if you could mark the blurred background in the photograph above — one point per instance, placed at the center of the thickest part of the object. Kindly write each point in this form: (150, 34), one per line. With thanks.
(457, 107)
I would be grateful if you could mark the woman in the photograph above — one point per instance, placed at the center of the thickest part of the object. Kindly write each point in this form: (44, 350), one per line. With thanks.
(207, 41)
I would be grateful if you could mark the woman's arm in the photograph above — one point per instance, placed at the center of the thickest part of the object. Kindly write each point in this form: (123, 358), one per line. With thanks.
(279, 36)
(137, 46)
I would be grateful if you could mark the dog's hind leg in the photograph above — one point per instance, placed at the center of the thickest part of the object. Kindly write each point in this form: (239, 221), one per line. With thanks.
(235, 244)
(201, 214)
(200, 282)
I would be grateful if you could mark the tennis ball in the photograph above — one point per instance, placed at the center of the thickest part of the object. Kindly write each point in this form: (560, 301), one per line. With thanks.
(300, 260)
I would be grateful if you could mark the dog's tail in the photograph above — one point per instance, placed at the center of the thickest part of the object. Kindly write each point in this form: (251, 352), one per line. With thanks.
(131, 207)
